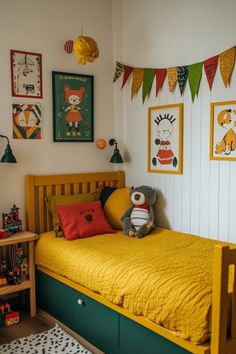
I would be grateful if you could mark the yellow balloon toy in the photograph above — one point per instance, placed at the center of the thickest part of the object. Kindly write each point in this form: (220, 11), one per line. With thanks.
(86, 49)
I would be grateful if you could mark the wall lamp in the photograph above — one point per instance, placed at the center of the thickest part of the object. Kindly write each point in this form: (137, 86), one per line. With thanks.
(116, 157)
(8, 155)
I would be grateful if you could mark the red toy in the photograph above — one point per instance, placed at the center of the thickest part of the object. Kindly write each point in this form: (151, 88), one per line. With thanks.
(12, 318)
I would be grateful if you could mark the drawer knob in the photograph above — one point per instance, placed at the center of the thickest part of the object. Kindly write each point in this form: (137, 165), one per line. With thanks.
(80, 302)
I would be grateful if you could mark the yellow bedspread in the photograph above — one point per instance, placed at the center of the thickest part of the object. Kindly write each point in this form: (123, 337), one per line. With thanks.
(165, 276)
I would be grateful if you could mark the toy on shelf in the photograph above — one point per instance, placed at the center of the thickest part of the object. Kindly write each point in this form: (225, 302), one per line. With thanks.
(11, 222)
(12, 318)
(5, 307)
(24, 269)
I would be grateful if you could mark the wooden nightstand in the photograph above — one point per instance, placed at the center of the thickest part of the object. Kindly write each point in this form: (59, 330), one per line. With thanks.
(23, 237)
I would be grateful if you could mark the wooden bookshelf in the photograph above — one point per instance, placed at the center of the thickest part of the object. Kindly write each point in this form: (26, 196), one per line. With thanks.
(30, 238)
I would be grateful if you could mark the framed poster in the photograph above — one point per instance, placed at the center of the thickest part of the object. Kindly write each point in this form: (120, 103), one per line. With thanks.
(72, 107)
(165, 138)
(223, 131)
(26, 121)
(26, 74)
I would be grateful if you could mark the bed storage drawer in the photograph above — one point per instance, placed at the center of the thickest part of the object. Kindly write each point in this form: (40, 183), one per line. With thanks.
(135, 339)
(93, 321)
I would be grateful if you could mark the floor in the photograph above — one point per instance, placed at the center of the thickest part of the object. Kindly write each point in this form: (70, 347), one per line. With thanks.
(25, 327)
(41, 323)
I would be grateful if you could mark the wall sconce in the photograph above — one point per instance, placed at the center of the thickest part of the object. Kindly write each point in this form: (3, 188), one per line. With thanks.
(8, 155)
(116, 157)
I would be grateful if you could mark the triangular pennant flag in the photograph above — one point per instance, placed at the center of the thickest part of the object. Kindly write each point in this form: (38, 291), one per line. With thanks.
(118, 71)
(210, 67)
(194, 77)
(127, 71)
(137, 81)
(147, 81)
(160, 78)
(227, 60)
(172, 78)
(182, 77)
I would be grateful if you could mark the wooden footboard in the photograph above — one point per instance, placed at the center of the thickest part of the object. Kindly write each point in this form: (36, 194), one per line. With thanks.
(223, 336)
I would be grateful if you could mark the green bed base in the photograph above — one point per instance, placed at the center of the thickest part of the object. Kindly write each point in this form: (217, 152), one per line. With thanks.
(108, 330)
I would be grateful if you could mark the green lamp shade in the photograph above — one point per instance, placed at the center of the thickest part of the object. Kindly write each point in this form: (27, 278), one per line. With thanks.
(116, 157)
(8, 155)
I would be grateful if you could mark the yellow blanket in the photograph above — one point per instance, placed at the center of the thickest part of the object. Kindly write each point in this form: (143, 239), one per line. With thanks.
(165, 276)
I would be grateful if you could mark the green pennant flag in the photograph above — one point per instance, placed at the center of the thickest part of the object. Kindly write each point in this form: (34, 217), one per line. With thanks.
(194, 78)
(147, 82)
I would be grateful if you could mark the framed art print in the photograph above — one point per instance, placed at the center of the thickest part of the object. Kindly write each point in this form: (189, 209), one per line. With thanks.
(223, 131)
(72, 107)
(27, 120)
(26, 74)
(165, 138)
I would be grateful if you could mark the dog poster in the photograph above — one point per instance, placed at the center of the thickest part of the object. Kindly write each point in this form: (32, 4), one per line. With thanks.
(223, 131)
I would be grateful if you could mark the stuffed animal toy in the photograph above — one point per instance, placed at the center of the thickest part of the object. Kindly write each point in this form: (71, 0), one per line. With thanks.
(138, 220)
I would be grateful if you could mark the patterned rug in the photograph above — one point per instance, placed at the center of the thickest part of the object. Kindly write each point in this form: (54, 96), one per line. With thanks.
(53, 341)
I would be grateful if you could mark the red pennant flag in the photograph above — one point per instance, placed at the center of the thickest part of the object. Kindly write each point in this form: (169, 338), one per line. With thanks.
(210, 67)
(160, 78)
(127, 71)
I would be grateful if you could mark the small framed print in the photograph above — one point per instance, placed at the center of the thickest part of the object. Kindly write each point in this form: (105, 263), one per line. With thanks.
(26, 74)
(223, 131)
(72, 107)
(165, 138)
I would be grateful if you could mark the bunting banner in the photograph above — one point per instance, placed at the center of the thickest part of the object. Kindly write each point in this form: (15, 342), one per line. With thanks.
(227, 60)
(172, 78)
(194, 77)
(180, 74)
(118, 71)
(127, 71)
(210, 67)
(182, 77)
(137, 81)
(160, 78)
(147, 81)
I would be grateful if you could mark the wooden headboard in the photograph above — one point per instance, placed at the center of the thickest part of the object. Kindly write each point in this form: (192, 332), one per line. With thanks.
(38, 187)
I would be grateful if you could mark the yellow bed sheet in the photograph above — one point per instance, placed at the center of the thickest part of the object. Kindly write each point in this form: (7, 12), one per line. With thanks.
(165, 276)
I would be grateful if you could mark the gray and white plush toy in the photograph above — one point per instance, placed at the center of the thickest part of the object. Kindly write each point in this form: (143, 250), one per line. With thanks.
(138, 220)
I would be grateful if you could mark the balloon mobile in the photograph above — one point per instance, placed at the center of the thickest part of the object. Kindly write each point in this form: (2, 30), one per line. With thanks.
(85, 49)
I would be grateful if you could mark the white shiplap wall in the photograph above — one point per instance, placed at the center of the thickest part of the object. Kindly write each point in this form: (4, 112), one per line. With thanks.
(163, 34)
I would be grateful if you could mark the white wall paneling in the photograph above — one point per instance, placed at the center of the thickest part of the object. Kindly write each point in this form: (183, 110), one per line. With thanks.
(164, 34)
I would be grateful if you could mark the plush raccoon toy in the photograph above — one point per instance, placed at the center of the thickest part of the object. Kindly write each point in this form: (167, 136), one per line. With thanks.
(138, 220)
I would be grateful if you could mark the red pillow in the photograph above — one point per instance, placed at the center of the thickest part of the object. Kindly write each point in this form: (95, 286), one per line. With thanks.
(83, 220)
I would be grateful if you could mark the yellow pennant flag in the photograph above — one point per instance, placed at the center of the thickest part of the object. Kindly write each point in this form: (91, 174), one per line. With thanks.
(227, 59)
(172, 75)
(137, 81)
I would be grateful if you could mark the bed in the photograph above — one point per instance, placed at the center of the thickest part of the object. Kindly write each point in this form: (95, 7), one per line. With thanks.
(112, 325)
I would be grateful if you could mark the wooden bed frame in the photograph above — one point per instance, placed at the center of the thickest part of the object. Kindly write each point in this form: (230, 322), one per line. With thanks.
(223, 340)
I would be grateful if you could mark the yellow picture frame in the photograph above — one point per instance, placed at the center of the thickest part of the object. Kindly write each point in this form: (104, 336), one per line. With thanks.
(223, 131)
(165, 139)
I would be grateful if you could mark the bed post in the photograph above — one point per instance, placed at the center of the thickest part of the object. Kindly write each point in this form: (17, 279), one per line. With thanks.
(220, 300)
(223, 296)
(30, 203)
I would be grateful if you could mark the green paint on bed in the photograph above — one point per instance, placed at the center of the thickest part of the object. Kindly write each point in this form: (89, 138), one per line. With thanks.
(91, 320)
(103, 327)
(135, 339)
